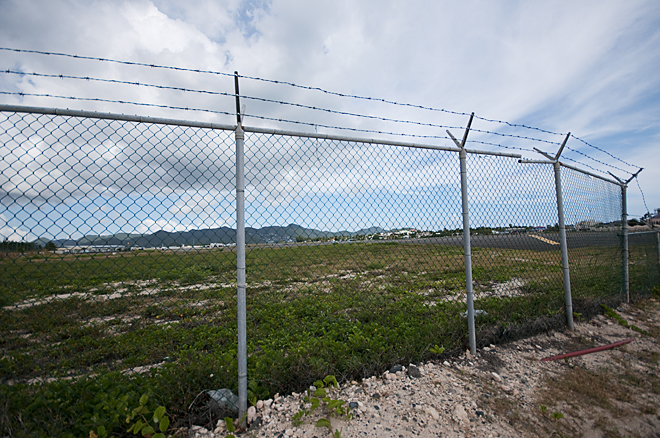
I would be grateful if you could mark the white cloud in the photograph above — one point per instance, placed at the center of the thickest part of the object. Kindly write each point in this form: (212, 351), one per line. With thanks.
(588, 67)
(10, 230)
(151, 226)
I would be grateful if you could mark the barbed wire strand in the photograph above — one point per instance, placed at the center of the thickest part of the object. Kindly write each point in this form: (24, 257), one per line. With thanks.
(261, 99)
(291, 84)
(123, 102)
(264, 118)
(586, 165)
(46, 53)
(370, 131)
(517, 125)
(643, 197)
(605, 152)
(115, 61)
(219, 93)
(597, 161)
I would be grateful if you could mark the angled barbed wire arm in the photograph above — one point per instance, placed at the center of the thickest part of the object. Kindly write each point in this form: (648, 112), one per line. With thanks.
(466, 237)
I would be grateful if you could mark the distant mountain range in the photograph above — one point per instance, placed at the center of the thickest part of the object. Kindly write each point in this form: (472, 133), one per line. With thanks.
(224, 235)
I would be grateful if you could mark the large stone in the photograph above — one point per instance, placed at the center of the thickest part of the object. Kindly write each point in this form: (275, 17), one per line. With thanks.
(460, 415)
(251, 414)
(223, 403)
(414, 372)
(432, 412)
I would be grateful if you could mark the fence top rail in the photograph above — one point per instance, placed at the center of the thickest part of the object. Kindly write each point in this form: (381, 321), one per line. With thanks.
(592, 174)
(572, 168)
(113, 116)
(374, 141)
(208, 125)
(646, 232)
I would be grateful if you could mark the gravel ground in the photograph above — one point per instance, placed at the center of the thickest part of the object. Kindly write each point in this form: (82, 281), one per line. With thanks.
(505, 391)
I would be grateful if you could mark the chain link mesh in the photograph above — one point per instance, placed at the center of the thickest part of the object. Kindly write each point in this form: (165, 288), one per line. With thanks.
(118, 269)
(127, 284)
(593, 208)
(516, 254)
(643, 262)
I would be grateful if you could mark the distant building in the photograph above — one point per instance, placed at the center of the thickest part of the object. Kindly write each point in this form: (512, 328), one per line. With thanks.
(87, 249)
(655, 220)
(586, 224)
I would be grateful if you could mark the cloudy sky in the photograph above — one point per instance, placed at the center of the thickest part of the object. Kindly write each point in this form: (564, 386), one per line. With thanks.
(587, 67)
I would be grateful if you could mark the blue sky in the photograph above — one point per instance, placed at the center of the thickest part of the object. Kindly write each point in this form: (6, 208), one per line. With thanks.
(586, 67)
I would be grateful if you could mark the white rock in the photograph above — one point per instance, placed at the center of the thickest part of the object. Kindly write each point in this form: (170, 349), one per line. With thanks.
(220, 424)
(460, 416)
(260, 404)
(288, 432)
(268, 402)
(432, 412)
(251, 414)
(496, 376)
(200, 432)
(447, 364)
(507, 389)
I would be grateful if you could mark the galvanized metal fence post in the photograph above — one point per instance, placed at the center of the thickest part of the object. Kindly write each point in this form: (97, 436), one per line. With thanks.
(568, 299)
(657, 239)
(563, 242)
(240, 259)
(624, 242)
(467, 250)
(624, 231)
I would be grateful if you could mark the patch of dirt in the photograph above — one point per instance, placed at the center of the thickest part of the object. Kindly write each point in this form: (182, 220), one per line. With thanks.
(113, 291)
(508, 289)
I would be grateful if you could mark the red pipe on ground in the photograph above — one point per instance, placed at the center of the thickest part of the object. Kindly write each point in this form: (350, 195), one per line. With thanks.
(587, 351)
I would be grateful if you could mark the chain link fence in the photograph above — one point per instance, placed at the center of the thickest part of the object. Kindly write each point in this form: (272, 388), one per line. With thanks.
(119, 264)
(644, 263)
(593, 207)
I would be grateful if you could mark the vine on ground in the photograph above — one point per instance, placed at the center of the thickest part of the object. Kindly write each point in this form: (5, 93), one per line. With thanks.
(319, 398)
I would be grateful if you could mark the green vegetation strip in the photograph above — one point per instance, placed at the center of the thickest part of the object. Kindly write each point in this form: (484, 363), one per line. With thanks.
(615, 316)
(349, 310)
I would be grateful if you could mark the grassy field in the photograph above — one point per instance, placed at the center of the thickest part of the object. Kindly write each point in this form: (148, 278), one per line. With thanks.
(101, 330)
